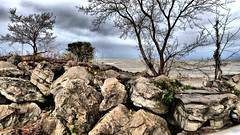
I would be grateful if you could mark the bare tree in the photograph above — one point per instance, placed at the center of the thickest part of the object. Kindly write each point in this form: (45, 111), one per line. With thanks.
(32, 30)
(153, 22)
(223, 37)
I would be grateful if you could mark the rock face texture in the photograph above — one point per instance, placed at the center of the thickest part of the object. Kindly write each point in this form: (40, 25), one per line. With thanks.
(44, 74)
(114, 93)
(77, 101)
(144, 94)
(193, 108)
(54, 126)
(72, 73)
(16, 115)
(19, 90)
(15, 59)
(9, 70)
(119, 122)
(235, 114)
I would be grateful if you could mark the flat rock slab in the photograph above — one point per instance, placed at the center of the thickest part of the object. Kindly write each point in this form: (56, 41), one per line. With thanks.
(193, 108)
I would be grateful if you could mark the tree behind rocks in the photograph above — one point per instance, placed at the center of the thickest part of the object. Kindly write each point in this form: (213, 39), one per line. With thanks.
(82, 50)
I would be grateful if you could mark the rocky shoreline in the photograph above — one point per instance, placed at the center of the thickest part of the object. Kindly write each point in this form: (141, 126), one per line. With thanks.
(84, 98)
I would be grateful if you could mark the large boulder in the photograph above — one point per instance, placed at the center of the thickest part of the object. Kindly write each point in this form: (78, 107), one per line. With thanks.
(76, 72)
(144, 94)
(9, 70)
(192, 108)
(19, 115)
(112, 122)
(77, 101)
(114, 93)
(44, 74)
(120, 121)
(18, 90)
(146, 123)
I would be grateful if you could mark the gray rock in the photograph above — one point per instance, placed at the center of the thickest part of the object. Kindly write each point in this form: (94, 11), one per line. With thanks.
(9, 70)
(120, 121)
(54, 126)
(192, 108)
(114, 93)
(73, 73)
(145, 123)
(235, 114)
(18, 90)
(15, 59)
(111, 74)
(77, 101)
(16, 115)
(112, 122)
(44, 74)
(235, 81)
(144, 94)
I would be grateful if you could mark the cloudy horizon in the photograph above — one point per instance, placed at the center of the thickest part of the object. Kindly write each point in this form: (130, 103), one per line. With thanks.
(72, 26)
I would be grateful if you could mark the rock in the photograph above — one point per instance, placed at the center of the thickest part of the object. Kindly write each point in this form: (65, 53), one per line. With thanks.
(17, 116)
(112, 122)
(73, 73)
(143, 74)
(192, 108)
(235, 114)
(77, 101)
(119, 121)
(44, 74)
(220, 86)
(145, 123)
(18, 90)
(114, 93)
(15, 59)
(54, 126)
(9, 70)
(27, 68)
(144, 94)
(162, 78)
(235, 81)
(111, 74)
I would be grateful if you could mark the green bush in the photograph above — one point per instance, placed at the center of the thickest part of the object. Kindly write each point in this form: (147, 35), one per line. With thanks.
(82, 50)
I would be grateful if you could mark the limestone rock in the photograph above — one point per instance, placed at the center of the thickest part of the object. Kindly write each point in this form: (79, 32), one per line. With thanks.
(54, 126)
(145, 123)
(16, 115)
(111, 123)
(77, 101)
(111, 74)
(73, 73)
(19, 90)
(119, 122)
(44, 74)
(235, 114)
(144, 94)
(15, 59)
(114, 93)
(9, 70)
(235, 81)
(192, 108)
(27, 68)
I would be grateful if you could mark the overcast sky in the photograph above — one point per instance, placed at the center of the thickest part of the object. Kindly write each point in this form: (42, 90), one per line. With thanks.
(72, 26)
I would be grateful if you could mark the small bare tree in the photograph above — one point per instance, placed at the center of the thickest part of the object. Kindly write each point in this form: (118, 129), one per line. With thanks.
(223, 37)
(32, 30)
(153, 23)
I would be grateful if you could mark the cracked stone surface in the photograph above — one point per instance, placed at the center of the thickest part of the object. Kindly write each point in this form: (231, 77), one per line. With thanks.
(119, 121)
(192, 108)
(18, 90)
(145, 95)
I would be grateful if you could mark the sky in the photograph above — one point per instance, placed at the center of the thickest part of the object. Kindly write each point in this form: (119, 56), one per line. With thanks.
(72, 26)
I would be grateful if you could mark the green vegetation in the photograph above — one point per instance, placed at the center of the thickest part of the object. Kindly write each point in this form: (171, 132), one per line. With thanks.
(82, 50)
(171, 87)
